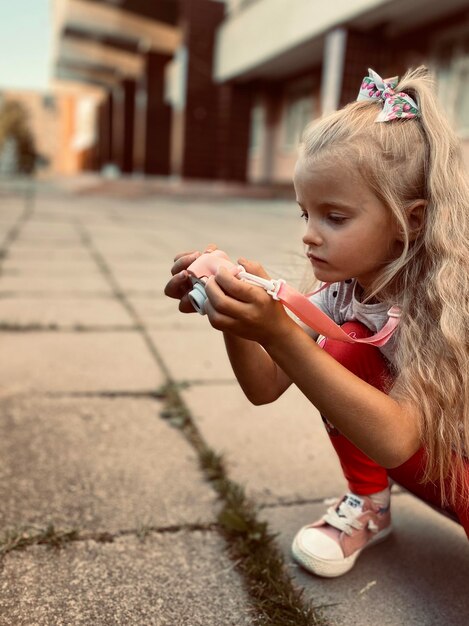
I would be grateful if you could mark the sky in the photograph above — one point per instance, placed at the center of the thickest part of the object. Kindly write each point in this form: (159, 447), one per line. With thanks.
(25, 33)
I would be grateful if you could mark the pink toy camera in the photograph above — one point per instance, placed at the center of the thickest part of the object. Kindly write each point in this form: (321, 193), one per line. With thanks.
(207, 265)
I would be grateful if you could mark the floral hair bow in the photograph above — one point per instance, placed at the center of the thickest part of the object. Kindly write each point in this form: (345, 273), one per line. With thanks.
(396, 105)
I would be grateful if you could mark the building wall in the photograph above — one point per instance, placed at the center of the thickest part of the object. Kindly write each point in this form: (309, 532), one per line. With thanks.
(443, 47)
(63, 126)
(44, 113)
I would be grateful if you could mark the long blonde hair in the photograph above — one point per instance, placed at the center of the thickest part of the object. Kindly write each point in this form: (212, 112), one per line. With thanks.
(403, 161)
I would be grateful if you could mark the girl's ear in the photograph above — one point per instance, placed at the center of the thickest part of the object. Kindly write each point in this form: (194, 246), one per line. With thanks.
(415, 213)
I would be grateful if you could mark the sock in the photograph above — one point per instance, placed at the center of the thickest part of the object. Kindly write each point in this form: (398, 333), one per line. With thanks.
(381, 498)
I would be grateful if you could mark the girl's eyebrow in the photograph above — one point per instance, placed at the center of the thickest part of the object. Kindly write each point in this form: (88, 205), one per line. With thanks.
(332, 204)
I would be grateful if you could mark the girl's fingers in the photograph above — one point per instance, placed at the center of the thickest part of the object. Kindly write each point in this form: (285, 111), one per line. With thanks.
(208, 248)
(222, 301)
(233, 287)
(178, 286)
(253, 268)
(211, 247)
(182, 261)
(217, 319)
(185, 305)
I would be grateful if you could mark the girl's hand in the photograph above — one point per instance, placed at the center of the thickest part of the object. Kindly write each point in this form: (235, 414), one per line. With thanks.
(245, 310)
(180, 285)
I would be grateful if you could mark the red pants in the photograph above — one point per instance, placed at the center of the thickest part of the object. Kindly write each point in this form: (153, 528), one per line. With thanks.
(364, 476)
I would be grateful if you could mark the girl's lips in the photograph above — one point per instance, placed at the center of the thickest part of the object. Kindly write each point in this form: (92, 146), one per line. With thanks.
(315, 259)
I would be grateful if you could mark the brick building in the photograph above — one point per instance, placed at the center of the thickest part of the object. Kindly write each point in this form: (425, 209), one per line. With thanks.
(221, 90)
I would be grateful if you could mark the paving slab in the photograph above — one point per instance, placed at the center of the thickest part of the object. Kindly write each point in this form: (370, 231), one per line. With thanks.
(43, 245)
(202, 357)
(97, 464)
(47, 267)
(39, 256)
(146, 280)
(178, 579)
(419, 575)
(279, 452)
(64, 313)
(162, 313)
(63, 283)
(38, 232)
(77, 362)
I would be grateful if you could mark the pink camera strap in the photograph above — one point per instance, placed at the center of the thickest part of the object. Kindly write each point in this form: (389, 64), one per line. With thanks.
(313, 317)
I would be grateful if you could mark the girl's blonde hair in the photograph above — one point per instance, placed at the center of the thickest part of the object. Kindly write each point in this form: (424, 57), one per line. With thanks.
(403, 161)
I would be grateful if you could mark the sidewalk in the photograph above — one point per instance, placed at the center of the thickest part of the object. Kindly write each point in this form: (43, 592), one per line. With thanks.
(87, 339)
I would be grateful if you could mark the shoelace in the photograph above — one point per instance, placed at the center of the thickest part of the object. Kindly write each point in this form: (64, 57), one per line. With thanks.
(344, 518)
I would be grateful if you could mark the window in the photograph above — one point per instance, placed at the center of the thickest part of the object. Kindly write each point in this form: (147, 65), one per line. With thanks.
(298, 113)
(461, 102)
(451, 61)
(257, 127)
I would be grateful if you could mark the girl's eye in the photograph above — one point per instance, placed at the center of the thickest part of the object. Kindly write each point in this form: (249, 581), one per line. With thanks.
(304, 216)
(336, 219)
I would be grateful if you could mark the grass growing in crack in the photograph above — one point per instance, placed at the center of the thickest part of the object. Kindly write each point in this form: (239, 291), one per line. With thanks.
(258, 558)
(17, 539)
(25, 328)
(174, 409)
(251, 546)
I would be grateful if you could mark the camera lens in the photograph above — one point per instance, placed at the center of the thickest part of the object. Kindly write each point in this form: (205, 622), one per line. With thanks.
(198, 297)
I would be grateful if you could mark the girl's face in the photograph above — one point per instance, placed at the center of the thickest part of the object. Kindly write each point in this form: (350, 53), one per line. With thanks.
(349, 232)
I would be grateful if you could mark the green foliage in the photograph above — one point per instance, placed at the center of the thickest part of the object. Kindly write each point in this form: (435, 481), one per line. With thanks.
(14, 125)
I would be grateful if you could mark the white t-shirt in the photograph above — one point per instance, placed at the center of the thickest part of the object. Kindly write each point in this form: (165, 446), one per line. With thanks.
(339, 302)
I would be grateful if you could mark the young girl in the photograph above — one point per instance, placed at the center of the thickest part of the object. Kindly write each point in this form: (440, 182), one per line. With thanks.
(382, 188)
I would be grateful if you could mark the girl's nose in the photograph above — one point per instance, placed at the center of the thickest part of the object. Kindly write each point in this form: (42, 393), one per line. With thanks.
(312, 236)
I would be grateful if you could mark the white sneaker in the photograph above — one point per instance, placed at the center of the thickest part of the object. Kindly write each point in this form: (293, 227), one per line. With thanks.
(330, 546)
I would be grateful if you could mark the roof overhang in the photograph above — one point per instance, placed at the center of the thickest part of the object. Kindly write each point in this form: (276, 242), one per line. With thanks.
(293, 32)
(93, 38)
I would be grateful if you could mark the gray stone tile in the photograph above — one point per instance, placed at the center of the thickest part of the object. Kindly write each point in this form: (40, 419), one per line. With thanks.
(417, 576)
(65, 313)
(163, 313)
(77, 362)
(201, 357)
(48, 267)
(177, 579)
(145, 281)
(93, 283)
(96, 464)
(278, 451)
(56, 255)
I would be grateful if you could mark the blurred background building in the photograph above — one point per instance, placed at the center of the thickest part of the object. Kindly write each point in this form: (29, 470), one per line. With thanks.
(221, 90)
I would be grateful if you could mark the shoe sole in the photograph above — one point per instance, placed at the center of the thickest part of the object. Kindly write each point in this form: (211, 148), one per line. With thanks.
(331, 569)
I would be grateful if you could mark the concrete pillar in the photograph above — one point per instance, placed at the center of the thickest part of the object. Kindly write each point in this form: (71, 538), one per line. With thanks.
(101, 119)
(234, 124)
(105, 130)
(128, 91)
(117, 145)
(140, 126)
(333, 70)
(158, 117)
(199, 20)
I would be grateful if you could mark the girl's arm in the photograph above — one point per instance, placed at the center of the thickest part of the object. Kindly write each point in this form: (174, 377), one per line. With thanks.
(377, 424)
(258, 374)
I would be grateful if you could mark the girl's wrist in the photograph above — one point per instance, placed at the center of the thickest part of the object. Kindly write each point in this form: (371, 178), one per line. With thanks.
(283, 336)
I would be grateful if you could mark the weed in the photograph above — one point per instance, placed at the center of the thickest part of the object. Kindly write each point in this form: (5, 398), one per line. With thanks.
(174, 409)
(17, 539)
(251, 546)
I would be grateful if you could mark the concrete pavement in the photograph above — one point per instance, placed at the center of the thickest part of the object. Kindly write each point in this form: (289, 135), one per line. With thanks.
(87, 339)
